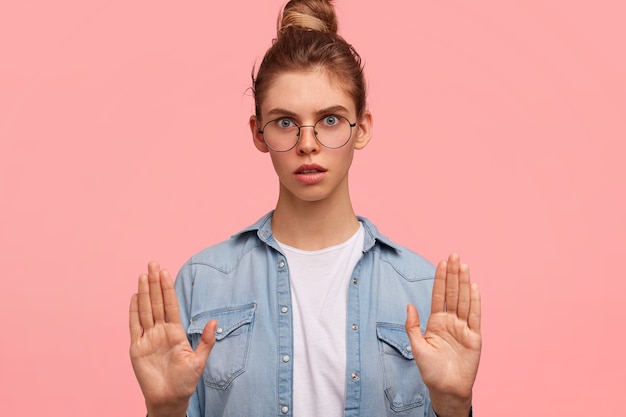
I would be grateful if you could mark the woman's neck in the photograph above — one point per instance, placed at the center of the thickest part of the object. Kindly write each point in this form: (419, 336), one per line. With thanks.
(313, 225)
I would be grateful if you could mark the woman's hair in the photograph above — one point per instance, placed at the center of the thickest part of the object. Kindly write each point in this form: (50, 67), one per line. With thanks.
(307, 40)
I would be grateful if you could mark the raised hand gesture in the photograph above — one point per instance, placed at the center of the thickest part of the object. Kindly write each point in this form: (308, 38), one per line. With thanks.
(166, 366)
(449, 352)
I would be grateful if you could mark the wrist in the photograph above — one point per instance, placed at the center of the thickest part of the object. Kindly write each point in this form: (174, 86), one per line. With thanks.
(470, 414)
(177, 410)
(451, 406)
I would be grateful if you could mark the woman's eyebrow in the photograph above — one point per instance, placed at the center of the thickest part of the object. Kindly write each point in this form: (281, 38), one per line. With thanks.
(282, 112)
(332, 109)
(327, 110)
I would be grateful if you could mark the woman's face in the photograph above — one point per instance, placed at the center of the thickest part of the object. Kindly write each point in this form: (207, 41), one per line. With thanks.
(310, 171)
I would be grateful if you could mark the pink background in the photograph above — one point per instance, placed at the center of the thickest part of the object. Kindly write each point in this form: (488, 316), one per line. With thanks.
(500, 132)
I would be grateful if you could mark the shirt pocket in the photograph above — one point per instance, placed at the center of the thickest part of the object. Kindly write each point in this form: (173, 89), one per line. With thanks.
(229, 356)
(404, 387)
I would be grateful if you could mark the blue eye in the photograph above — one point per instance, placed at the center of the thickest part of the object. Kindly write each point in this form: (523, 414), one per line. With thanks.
(285, 123)
(331, 120)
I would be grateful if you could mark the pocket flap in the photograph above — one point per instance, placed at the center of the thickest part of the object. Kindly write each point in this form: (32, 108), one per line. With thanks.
(395, 335)
(228, 319)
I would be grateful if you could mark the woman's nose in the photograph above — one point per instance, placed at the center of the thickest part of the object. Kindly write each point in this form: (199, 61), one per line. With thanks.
(308, 142)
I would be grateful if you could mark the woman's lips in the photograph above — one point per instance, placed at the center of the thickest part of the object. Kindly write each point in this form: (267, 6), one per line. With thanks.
(310, 173)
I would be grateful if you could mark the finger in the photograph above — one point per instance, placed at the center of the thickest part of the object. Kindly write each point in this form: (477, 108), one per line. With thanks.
(413, 329)
(207, 341)
(452, 283)
(439, 289)
(474, 313)
(464, 292)
(133, 320)
(156, 293)
(170, 300)
(143, 301)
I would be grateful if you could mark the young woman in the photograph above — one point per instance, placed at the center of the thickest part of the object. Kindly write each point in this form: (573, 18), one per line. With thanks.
(310, 311)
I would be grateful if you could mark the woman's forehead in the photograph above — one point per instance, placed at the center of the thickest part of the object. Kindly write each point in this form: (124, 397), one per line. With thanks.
(304, 92)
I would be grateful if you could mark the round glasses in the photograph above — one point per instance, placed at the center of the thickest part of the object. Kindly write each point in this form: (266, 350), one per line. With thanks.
(283, 134)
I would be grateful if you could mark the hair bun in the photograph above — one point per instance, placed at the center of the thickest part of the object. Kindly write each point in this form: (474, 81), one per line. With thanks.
(313, 15)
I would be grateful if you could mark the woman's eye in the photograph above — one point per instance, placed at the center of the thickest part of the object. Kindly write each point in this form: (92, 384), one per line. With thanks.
(285, 123)
(330, 120)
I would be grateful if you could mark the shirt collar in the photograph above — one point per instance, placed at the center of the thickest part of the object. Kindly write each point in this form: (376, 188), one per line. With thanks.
(263, 228)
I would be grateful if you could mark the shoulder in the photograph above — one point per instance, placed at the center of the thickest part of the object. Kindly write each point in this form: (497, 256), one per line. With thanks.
(225, 256)
(410, 265)
(405, 262)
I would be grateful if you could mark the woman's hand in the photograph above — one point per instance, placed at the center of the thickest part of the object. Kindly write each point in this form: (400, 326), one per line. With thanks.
(166, 366)
(449, 352)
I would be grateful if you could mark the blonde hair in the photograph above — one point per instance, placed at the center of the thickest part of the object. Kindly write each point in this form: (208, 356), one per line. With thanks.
(307, 39)
(308, 15)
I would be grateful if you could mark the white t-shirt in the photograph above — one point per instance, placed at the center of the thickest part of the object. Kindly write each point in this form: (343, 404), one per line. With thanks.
(319, 293)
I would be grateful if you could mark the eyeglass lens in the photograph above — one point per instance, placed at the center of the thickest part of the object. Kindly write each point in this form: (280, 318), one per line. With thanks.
(283, 134)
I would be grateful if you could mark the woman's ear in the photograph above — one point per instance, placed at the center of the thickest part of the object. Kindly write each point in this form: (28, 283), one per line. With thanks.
(363, 130)
(257, 137)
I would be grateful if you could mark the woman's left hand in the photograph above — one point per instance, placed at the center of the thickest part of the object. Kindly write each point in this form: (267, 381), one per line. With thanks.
(449, 352)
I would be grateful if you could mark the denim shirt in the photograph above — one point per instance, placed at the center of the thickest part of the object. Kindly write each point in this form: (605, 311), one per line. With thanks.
(243, 283)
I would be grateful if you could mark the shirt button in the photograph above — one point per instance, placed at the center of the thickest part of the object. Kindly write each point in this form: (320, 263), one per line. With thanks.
(285, 358)
(284, 309)
(355, 327)
(408, 348)
(354, 376)
(284, 409)
(219, 330)
(355, 281)
(281, 264)
(265, 233)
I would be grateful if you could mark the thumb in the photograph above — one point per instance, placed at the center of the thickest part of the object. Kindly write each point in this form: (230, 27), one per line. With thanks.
(207, 341)
(412, 326)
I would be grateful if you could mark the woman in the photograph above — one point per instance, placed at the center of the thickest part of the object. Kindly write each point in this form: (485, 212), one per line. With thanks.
(305, 312)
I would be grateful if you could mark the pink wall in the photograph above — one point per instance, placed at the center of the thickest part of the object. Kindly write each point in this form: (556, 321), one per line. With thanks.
(500, 132)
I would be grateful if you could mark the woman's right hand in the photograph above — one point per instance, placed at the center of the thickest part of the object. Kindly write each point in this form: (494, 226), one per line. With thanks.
(166, 366)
